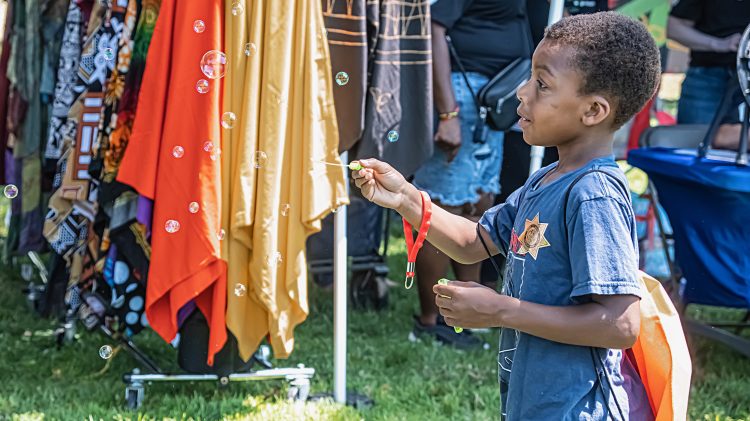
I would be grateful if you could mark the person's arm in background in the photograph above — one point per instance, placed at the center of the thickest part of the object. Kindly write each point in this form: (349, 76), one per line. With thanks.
(684, 32)
(728, 137)
(448, 135)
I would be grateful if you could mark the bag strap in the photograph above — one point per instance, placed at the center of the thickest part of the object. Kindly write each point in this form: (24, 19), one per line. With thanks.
(454, 54)
(593, 350)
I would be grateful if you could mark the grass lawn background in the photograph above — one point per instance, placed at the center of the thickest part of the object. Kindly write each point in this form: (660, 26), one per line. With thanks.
(407, 381)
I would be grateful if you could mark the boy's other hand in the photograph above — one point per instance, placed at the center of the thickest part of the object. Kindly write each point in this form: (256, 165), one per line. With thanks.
(380, 183)
(448, 137)
(471, 305)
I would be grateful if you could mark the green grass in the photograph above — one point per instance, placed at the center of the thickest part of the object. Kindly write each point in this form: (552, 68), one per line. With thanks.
(407, 381)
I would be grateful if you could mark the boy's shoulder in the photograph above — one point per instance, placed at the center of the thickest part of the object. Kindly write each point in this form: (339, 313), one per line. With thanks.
(601, 179)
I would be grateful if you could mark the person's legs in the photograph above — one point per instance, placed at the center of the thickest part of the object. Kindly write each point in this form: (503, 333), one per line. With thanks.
(431, 265)
(702, 91)
(456, 186)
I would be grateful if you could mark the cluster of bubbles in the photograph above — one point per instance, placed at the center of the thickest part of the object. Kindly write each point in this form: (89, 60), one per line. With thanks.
(213, 65)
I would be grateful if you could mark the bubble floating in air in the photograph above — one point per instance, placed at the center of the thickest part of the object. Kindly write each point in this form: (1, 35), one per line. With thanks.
(250, 49)
(228, 119)
(178, 152)
(105, 352)
(214, 64)
(10, 191)
(260, 159)
(199, 26)
(342, 78)
(237, 8)
(202, 86)
(171, 226)
(239, 290)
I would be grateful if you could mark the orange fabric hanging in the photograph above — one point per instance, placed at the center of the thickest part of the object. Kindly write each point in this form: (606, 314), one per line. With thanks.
(171, 113)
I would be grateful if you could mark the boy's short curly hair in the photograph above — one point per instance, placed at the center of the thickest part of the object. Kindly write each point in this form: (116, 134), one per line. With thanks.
(615, 55)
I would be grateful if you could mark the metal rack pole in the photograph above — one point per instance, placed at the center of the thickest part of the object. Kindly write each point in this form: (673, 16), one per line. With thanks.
(537, 152)
(339, 297)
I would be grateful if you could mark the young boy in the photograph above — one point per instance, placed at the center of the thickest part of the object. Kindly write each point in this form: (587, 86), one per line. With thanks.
(570, 302)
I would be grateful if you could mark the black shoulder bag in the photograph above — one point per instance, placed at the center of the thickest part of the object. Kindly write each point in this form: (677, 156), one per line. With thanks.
(496, 102)
(599, 367)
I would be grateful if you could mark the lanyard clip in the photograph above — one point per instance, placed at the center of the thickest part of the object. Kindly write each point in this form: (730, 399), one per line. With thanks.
(409, 281)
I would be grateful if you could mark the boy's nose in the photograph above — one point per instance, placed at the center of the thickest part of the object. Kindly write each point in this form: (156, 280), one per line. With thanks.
(520, 92)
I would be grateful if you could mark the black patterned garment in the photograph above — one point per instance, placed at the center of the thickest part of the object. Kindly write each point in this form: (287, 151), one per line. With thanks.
(67, 76)
(385, 107)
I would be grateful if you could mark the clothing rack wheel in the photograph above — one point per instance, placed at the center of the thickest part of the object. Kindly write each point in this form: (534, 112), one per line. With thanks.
(134, 393)
(299, 389)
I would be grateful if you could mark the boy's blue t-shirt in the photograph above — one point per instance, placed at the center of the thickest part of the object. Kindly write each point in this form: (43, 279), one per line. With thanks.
(541, 379)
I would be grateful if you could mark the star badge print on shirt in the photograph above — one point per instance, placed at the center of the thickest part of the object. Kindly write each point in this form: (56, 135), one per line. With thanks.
(532, 238)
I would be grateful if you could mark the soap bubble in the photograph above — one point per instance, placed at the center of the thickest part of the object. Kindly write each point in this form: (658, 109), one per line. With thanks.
(172, 226)
(178, 151)
(199, 26)
(208, 146)
(239, 290)
(274, 259)
(285, 209)
(392, 136)
(260, 159)
(342, 78)
(202, 86)
(10, 191)
(250, 49)
(213, 64)
(228, 119)
(109, 54)
(221, 234)
(237, 8)
(105, 352)
(194, 207)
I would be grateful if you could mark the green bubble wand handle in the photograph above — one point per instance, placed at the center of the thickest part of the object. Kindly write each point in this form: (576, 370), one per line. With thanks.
(445, 282)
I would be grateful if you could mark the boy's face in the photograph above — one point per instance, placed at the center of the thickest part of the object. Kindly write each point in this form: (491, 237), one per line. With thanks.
(552, 110)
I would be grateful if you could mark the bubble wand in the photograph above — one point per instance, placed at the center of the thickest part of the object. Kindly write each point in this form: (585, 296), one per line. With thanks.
(445, 282)
(354, 165)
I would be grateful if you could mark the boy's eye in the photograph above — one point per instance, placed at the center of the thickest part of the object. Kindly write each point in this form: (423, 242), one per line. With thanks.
(540, 84)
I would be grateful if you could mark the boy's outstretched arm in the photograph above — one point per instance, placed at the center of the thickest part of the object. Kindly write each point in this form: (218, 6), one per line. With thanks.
(609, 321)
(454, 235)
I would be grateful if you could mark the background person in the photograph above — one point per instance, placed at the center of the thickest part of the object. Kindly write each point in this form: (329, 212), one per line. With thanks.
(712, 30)
(462, 175)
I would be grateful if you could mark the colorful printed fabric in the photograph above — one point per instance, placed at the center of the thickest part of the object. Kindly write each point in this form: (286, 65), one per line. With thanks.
(123, 123)
(67, 77)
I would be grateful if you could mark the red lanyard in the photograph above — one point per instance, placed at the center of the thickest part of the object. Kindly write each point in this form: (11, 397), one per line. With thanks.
(412, 245)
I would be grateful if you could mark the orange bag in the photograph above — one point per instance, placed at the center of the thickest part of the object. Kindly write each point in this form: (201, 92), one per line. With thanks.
(661, 353)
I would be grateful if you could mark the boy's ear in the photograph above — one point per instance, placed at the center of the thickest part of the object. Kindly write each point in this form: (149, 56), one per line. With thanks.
(599, 109)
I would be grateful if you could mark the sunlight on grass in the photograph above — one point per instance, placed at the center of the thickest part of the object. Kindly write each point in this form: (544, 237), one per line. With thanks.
(407, 381)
